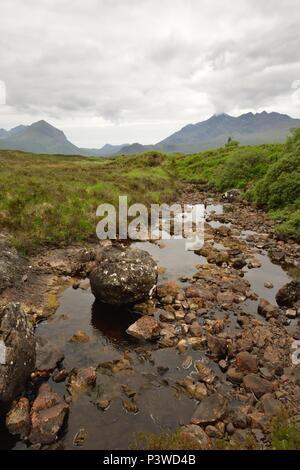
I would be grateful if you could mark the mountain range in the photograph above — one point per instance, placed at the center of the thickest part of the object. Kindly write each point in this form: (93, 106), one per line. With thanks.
(248, 129)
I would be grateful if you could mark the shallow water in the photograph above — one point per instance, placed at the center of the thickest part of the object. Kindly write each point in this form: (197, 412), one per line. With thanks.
(162, 406)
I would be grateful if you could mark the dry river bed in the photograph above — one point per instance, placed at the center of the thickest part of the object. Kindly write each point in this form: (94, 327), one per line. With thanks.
(221, 367)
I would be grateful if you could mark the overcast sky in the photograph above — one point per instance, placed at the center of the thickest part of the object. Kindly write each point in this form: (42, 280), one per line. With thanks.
(136, 70)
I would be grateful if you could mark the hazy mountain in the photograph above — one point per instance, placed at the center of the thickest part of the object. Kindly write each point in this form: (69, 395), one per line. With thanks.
(135, 148)
(106, 151)
(3, 133)
(248, 129)
(40, 137)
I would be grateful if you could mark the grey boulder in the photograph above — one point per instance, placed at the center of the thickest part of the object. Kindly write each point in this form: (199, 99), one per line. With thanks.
(17, 351)
(124, 276)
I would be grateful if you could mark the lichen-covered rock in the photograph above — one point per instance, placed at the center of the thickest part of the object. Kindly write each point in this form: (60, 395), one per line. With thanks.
(289, 294)
(11, 265)
(124, 276)
(18, 417)
(17, 351)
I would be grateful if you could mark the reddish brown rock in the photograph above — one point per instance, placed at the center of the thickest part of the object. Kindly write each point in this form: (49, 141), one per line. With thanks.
(18, 418)
(144, 328)
(246, 362)
(82, 379)
(255, 384)
(48, 413)
(266, 309)
(210, 410)
(234, 376)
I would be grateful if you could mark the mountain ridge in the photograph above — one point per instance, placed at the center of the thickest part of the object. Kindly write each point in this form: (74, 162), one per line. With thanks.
(249, 129)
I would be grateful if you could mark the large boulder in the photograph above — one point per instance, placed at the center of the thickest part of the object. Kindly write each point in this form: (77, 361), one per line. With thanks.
(289, 294)
(11, 265)
(17, 351)
(124, 276)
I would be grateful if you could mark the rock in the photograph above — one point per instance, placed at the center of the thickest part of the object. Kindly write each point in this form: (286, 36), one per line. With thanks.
(17, 351)
(239, 263)
(246, 362)
(217, 345)
(196, 329)
(103, 404)
(254, 264)
(223, 365)
(277, 256)
(241, 438)
(205, 374)
(223, 231)
(234, 376)
(255, 384)
(192, 292)
(215, 326)
(80, 337)
(48, 413)
(195, 390)
(130, 406)
(210, 410)
(182, 345)
(291, 313)
(60, 376)
(82, 379)
(124, 276)
(80, 438)
(289, 294)
(266, 309)
(48, 355)
(259, 420)
(18, 418)
(232, 195)
(230, 429)
(271, 406)
(195, 433)
(84, 284)
(213, 432)
(11, 265)
(268, 285)
(145, 328)
(166, 316)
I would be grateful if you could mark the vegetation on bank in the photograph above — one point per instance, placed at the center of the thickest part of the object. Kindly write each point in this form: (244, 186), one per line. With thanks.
(269, 175)
(53, 199)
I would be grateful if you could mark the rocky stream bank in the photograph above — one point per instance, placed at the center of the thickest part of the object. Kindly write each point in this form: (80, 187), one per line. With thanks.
(210, 353)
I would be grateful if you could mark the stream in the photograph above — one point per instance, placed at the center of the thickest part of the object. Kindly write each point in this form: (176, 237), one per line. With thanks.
(155, 372)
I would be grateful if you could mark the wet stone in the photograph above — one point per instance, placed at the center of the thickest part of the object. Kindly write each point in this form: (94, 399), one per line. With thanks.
(18, 418)
(47, 416)
(255, 384)
(210, 410)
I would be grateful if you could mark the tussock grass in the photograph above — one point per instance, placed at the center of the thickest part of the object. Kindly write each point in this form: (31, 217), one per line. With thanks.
(53, 199)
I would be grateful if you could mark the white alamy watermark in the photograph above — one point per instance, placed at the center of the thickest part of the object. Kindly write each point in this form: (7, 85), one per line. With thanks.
(2, 353)
(296, 353)
(2, 93)
(159, 222)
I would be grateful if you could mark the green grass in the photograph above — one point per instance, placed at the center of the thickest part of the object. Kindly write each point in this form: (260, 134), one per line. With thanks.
(285, 433)
(53, 199)
(269, 176)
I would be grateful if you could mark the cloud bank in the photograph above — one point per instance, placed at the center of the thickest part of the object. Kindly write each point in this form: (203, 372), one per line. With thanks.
(126, 70)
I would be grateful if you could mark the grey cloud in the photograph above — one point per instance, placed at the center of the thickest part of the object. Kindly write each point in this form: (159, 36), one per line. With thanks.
(147, 61)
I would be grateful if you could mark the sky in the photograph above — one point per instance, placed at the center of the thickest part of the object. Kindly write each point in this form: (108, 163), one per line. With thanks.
(123, 71)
